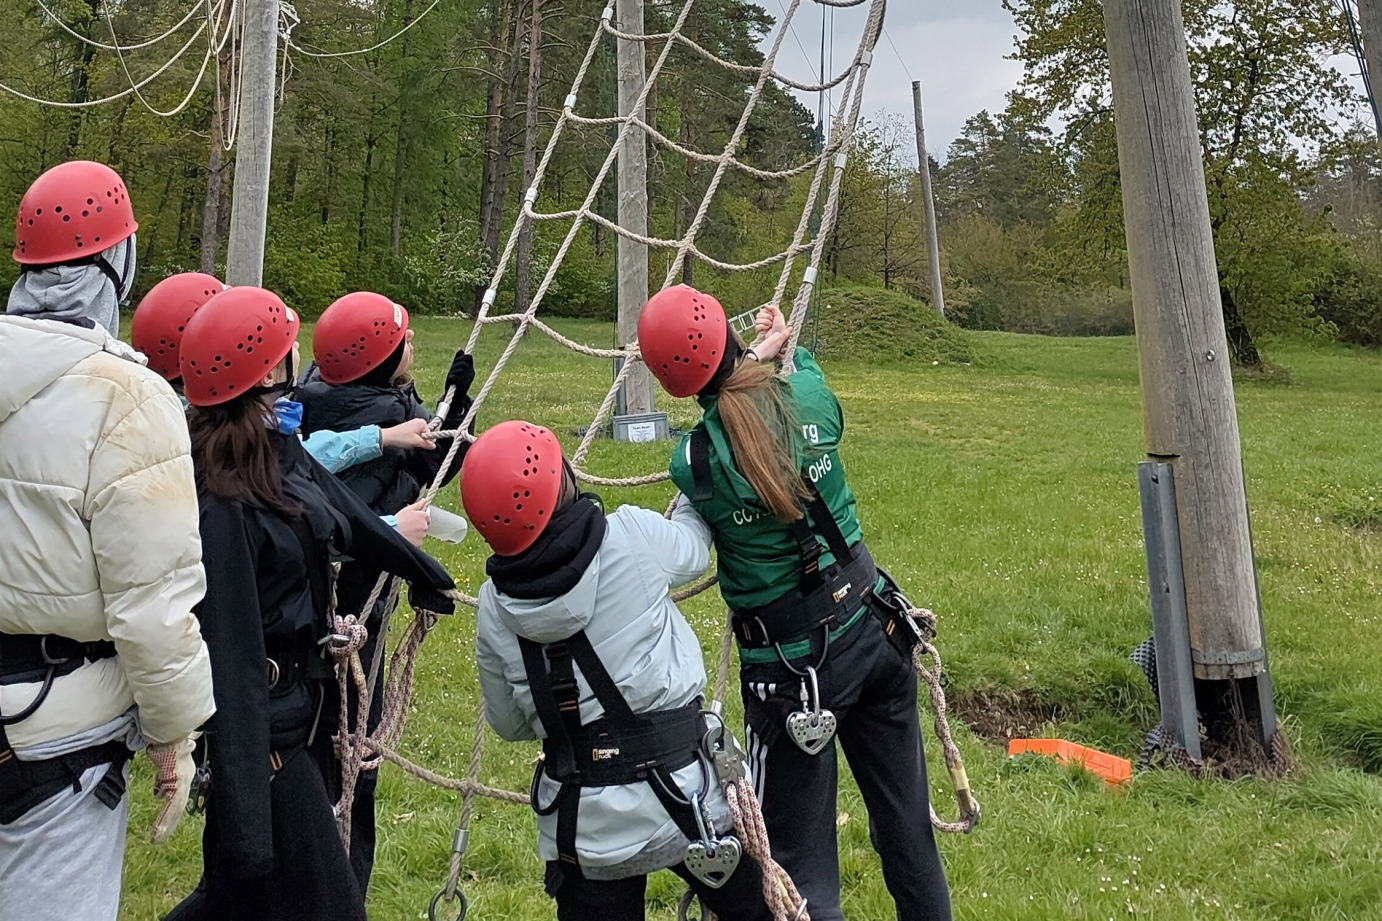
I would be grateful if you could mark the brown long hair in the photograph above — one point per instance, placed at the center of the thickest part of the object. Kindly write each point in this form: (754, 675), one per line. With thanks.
(759, 415)
(234, 456)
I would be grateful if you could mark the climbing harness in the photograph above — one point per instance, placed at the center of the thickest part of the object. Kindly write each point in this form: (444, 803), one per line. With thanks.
(826, 599)
(620, 748)
(29, 658)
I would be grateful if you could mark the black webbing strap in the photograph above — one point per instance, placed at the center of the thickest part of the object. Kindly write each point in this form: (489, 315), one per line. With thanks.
(315, 564)
(824, 522)
(26, 658)
(700, 465)
(556, 694)
(551, 689)
(617, 709)
(25, 784)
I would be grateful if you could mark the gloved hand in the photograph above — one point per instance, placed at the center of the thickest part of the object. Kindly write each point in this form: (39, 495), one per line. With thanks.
(173, 780)
(461, 375)
(430, 599)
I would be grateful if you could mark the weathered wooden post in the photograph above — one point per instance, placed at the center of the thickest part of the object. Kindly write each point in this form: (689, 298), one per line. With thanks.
(1187, 385)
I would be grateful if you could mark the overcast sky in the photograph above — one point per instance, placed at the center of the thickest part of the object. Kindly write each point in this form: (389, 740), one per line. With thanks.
(956, 48)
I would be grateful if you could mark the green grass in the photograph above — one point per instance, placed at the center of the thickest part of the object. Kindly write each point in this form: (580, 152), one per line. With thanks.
(1003, 495)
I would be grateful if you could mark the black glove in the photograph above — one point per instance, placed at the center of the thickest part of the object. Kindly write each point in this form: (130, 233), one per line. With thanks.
(427, 598)
(461, 375)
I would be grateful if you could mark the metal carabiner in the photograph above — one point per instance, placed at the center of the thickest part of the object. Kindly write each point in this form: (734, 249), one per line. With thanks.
(815, 695)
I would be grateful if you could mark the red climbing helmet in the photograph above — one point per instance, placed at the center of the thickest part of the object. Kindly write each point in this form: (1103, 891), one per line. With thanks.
(161, 318)
(73, 210)
(357, 334)
(510, 484)
(682, 334)
(233, 342)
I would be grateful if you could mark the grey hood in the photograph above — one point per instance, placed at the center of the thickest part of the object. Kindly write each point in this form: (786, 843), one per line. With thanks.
(78, 292)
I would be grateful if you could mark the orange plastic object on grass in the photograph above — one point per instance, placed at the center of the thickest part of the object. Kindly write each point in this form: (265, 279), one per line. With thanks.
(1114, 770)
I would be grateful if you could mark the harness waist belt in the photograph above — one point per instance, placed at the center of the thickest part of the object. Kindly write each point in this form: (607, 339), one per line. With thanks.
(28, 657)
(841, 591)
(607, 755)
(287, 668)
(25, 784)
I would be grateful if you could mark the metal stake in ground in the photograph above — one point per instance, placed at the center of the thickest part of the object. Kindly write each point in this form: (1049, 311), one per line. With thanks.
(249, 210)
(933, 250)
(1187, 387)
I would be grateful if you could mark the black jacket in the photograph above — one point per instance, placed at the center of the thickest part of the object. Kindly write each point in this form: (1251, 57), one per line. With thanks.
(265, 580)
(387, 483)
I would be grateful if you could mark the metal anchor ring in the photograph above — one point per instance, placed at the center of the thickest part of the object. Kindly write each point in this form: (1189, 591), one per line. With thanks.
(462, 906)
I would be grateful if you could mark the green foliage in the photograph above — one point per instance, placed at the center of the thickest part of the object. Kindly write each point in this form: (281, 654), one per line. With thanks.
(1018, 281)
(1350, 298)
(1266, 91)
(439, 272)
(306, 266)
(873, 324)
(1002, 495)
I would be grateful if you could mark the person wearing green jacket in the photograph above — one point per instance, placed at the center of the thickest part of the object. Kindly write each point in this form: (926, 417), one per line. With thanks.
(824, 645)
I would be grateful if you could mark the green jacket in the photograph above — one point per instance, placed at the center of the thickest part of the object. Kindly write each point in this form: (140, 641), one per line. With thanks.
(758, 556)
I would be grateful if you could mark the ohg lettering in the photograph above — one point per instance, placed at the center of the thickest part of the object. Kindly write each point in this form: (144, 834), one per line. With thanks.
(820, 468)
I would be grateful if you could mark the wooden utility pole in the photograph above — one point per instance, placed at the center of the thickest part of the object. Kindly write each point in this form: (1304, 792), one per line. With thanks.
(249, 208)
(633, 204)
(1187, 389)
(523, 268)
(933, 248)
(1370, 27)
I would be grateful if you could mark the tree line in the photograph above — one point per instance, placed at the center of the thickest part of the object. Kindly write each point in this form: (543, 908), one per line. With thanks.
(401, 169)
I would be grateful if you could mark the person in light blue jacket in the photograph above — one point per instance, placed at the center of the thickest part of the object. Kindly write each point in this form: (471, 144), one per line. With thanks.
(156, 330)
(580, 645)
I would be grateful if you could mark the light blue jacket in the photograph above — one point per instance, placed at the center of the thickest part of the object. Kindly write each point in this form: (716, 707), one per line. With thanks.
(338, 450)
(623, 605)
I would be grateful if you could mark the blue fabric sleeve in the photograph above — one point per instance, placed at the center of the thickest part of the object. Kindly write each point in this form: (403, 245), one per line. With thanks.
(337, 451)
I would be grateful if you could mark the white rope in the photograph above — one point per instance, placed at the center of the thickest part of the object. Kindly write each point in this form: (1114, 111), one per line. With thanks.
(53, 103)
(288, 39)
(211, 16)
(104, 47)
(831, 158)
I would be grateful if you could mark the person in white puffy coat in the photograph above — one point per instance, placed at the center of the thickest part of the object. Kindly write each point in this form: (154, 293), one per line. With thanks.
(564, 570)
(100, 560)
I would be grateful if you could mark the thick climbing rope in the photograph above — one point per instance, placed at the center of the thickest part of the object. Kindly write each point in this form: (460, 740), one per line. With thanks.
(362, 750)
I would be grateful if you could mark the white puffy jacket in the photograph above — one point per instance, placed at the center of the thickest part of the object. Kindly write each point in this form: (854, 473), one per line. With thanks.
(100, 539)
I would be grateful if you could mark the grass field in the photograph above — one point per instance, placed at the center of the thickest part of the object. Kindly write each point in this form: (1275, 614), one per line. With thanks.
(1003, 495)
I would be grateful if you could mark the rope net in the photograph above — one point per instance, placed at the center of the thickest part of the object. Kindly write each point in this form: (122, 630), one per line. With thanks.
(800, 260)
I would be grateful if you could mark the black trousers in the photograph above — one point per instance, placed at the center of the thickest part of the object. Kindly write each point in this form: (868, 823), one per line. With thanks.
(312, 879)
(581, 899)
(871, 687)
